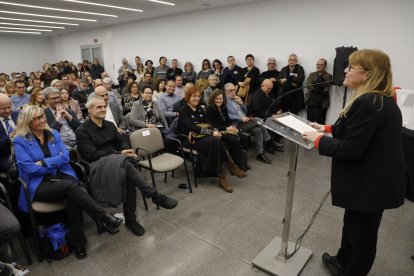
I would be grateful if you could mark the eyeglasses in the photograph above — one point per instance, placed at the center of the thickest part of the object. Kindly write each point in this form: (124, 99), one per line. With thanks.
(354, 67)
(39, 118)
(54, 98)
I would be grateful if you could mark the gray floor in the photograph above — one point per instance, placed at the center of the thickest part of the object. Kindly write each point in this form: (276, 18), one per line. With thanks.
(215, 233)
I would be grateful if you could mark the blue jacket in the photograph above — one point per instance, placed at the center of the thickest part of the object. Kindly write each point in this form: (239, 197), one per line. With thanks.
(232, 110)
(28, 152)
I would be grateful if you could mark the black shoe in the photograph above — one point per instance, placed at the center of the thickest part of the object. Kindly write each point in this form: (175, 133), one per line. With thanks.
(135, 227)
(332, 264)
(80, 253)
(164, 201)
(110, 223)
(262, 157)
(280, 149)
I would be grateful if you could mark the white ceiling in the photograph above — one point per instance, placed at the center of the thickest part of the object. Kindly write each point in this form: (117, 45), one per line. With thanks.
(150, 10)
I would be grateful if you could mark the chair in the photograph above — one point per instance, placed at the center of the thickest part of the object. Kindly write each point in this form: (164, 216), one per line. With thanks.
(147, 142)
(192, 155)
(4, 198)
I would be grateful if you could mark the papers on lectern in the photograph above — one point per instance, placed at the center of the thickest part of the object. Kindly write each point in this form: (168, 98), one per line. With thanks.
(294, 123)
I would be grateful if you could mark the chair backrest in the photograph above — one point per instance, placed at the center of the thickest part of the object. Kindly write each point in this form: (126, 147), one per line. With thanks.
(149, 139)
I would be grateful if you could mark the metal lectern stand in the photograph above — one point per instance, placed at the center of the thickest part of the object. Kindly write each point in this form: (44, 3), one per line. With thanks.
(274, 257)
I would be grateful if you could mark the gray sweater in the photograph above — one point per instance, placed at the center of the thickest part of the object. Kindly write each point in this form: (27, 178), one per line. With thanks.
(138, 115)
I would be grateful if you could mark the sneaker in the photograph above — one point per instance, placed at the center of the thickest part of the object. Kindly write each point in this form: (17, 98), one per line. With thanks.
(135, 227)
(164, 201)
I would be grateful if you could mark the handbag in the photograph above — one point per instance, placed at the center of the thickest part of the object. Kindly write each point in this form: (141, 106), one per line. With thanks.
(13, 171)
(243, 90)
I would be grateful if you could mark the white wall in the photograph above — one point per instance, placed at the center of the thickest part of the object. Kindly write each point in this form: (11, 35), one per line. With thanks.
(24, 53)
(311, 29)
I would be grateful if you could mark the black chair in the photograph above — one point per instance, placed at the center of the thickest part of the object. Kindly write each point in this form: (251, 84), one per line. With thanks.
(5, 199)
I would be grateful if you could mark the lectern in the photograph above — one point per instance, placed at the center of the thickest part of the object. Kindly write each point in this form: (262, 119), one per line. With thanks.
(274, 257)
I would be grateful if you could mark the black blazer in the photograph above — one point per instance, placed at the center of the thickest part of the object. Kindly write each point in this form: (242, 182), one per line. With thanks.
(5, 142)
(368, 169)
(218, 120)
(51, 120)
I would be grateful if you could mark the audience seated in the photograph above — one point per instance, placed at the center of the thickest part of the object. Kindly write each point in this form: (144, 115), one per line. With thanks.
(37, 98)
(238, 115)
(59, 118)
(147, 81)
(189, 75)
(218, 71)
(219, 118)
(167, 100)
(96, 69)
(8, 120)
(130, 97)
(43, 163)
(9, 226)
(20, 98)
(213, 80)
(100, 144)
(159, 90)
(149, 67)
(174, 71)
(146, 114)
(212, 153)
(160, 71)
(81, 95)
(205, 71)
(70, 103)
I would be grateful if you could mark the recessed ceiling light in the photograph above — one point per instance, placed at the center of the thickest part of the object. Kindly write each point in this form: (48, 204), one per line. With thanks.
(38, 21)
(29, 25)
(103, 5)
(50, 16)
(162, 2)
(24, 29)
(19, 32)
(55, 9)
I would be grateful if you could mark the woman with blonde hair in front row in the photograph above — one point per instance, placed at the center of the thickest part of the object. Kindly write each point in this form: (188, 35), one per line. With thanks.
(369, 173)
(43, 163)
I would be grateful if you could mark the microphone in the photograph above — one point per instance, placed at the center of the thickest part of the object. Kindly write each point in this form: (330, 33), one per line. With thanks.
(290, 92)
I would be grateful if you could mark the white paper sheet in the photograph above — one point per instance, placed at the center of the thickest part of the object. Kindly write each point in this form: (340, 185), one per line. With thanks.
(295, 124)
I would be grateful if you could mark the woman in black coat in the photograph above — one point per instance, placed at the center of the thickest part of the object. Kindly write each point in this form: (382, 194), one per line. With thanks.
(219, 118)
(368, 169)
(206, 140)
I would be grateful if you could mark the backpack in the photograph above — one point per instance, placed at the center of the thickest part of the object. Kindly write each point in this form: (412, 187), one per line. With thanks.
(53, 242)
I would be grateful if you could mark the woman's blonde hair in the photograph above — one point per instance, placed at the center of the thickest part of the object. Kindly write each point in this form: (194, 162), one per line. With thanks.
(26, 116)
(377, 66)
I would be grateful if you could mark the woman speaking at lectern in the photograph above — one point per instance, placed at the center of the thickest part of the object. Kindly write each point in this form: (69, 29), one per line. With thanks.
(368, 168)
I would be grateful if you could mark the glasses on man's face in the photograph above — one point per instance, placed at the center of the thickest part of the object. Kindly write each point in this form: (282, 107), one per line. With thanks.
(54, 98)
(39, 118)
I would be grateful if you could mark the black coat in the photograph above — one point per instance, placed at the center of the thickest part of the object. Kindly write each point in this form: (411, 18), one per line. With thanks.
(368, 169)
(219, 120)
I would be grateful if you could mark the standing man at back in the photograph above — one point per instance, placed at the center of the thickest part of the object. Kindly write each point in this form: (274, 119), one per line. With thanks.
(317, 99)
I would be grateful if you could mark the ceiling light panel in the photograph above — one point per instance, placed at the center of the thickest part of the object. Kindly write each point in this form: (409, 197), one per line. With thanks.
(24, 29)
(48, 16)
(162, 2)
(103, 5)
(29, 25)
(19, 32)
(38, 21)
(55, 9)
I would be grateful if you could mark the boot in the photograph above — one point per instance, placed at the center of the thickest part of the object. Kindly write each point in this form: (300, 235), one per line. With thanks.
(234, 169)
(223, 182)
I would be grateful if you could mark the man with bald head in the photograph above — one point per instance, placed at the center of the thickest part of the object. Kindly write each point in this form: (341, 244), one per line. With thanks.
(8, 119)
(113, 112)
(291, 77)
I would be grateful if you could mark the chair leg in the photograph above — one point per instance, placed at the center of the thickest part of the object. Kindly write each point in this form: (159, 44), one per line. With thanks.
(153, 185)
(145, 201)
(35, 237)
(188, 177)
(165, 177)
(194, 171)
(172, 174)
(25, 249)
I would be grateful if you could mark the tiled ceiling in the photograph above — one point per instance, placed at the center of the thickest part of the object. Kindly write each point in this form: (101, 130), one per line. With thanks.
(16, 16)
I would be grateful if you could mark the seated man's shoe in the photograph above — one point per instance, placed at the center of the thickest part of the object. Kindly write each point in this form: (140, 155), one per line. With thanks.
(164, 201)
(135, 227)
(269, 147)
(332, 264)
(110, 223)
(80, 253)
(262, 157)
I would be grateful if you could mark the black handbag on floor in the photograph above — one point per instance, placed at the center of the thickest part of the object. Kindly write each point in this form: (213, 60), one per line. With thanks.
(243, 160)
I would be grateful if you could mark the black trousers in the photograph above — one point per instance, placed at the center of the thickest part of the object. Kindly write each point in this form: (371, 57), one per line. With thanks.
(9, 226)
(315, 114)
(359, 242)
(135, 180)
(76, 200)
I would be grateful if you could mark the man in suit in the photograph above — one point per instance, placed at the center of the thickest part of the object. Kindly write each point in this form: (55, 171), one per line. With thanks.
(59, 118)
(8, 119)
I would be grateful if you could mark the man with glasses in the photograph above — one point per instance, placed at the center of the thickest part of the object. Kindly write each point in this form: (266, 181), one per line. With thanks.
(20, 98)
(271, 74)
(317, 98)
(59, 118)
